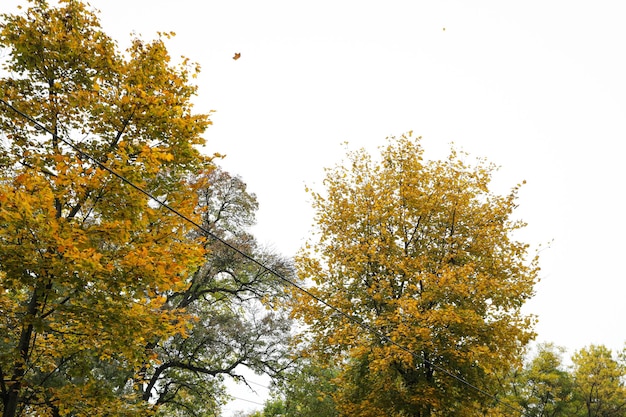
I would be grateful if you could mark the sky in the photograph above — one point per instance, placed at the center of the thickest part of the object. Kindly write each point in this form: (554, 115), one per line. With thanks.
(536, 87)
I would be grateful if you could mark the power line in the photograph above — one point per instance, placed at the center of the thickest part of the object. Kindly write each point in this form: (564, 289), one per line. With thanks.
(272, 271)
(248, 401)
(257, 384)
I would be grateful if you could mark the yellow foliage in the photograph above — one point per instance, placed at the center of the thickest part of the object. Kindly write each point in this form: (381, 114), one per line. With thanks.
(421, 251)
(85, 259)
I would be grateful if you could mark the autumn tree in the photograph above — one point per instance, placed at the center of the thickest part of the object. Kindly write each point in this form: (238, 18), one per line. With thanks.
(599, 383)
(87, 261)
(423, 253)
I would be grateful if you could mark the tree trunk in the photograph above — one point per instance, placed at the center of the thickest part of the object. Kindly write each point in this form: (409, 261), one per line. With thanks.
(19, 370)
(429, 378)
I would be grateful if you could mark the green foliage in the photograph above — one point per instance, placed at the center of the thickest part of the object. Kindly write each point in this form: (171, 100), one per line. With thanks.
(547, 385)
(231, 300)
(594, 385)
(274, 408)
(306, 390)
(543, 387)
(600, 389)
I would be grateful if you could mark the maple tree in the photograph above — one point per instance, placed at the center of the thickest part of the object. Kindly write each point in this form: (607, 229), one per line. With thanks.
(424, 253)
(87, 261)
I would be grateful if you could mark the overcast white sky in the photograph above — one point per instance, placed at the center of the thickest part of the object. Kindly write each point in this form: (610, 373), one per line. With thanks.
(536, 86)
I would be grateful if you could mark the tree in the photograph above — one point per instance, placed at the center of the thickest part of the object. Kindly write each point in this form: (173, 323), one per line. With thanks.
(306, 390)
(424, 253)
(236, 305)
(544, 387)
(86, 261)
(599, 389)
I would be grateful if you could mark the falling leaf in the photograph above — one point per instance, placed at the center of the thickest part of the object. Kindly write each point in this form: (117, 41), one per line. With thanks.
(237, 56)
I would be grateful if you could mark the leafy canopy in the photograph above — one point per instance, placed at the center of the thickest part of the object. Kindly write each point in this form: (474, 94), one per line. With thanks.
(600, 382)
(237, 307)
(424, 252)
(85, 260)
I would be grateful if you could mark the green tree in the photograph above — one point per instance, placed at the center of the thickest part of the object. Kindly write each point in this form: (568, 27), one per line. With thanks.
(423, 252)
(599, 388)
(236, 305)
(305, 390)
(86, 261)
(544, 386)
(273, 408)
